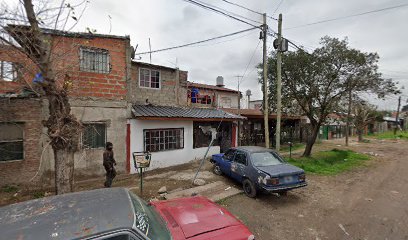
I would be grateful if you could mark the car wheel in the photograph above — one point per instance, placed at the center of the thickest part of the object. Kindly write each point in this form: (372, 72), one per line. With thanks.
(217, 170)
(249, 188)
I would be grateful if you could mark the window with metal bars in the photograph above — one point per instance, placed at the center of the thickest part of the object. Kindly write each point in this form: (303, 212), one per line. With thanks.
(8, 71)
(94, 135)
(94, 60)
(149, 78)
(11, 141)
(156, 140)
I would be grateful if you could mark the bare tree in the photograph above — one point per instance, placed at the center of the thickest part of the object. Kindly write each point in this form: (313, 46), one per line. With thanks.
(364, 113)
(21, 28)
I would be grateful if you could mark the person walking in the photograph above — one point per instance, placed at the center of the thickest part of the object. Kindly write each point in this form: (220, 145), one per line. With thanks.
(109, 163)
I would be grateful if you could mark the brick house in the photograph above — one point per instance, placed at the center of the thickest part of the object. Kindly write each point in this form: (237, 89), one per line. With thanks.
(137, 106)
(165, 123)
(98, 69)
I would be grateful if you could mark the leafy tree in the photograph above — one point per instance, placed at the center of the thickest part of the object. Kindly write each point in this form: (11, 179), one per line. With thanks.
(317, 82)
(21, 28)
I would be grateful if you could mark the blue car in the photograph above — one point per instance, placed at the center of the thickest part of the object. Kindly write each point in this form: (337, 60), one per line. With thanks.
(258, 169)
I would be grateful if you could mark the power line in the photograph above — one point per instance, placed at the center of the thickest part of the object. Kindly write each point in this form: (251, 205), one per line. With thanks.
(250, 61)
(348, 16)
(236, 4)
(219, 12)
(276, 9)
(193, 43)
(229, 40)
(229, 12)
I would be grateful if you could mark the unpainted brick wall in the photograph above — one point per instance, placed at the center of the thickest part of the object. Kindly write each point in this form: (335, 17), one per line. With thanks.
(66, 65)
(66, 59)
(26, 111)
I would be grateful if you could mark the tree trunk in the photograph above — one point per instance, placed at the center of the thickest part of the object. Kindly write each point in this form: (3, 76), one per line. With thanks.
(311, 140)
(64, 171)
(360, 136)
(348, 119)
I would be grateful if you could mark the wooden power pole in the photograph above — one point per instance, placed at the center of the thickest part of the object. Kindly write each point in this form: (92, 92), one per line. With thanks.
(397, 117)
(239, 110)
(279, 86)
(265, 82)
(348, 118)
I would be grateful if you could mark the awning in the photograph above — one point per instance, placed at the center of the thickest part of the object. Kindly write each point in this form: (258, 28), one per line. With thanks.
(184, 113)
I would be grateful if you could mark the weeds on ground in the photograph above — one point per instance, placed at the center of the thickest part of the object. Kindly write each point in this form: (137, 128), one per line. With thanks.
(9, 189)
(296, 146)
(38, 195)
(330, 162)
(390, 135)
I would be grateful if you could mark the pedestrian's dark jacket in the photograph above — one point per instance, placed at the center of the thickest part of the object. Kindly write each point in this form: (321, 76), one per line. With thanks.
(108, 160)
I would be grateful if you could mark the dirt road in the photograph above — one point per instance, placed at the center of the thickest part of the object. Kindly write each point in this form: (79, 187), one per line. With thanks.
(366, 203)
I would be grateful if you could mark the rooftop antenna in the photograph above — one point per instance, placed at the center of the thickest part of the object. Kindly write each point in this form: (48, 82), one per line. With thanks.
(150, 51)
(110, 23)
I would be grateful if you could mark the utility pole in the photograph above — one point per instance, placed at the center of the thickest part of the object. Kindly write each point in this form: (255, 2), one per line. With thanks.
(265, 82)
(279, 86)
(397, 117)
(239, 111)
(348, 118)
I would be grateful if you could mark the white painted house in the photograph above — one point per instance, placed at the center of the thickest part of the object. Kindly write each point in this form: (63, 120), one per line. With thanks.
(177, 135)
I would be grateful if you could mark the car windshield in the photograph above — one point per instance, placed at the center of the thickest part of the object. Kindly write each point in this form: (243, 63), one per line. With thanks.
(262, 159)
(148, 221)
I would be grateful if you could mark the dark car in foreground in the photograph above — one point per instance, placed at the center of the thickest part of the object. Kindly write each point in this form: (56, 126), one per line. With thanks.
(259, 169)
(116, 213)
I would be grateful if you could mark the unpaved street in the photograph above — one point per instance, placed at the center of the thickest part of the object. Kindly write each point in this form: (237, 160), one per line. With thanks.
(366, 203)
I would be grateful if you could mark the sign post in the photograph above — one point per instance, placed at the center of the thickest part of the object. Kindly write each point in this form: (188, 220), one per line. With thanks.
(141, 161)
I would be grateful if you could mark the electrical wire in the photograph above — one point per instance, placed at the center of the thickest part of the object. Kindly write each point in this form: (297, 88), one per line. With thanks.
(348, 16)
(229, 12)
(276, 9)
(198, 42)
(250, 61)
(219, 12)
(236, 4)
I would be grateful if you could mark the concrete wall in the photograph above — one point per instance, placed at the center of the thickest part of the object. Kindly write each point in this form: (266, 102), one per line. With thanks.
(255, 104)
(171, 157)
(172, 91)
(114, 114)
(232, 96)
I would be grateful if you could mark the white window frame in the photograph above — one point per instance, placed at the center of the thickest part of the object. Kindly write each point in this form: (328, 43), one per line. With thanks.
(150, 78)
(13, 69)
(95, 50)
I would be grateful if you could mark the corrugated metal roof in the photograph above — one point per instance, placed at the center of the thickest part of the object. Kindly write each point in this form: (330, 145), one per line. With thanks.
(180, 112)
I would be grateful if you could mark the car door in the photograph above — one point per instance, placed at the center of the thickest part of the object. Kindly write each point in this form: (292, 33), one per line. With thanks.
(225, 164)
(239, 165)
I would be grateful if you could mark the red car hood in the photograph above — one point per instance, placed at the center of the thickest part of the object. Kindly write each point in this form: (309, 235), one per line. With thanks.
(195, 216)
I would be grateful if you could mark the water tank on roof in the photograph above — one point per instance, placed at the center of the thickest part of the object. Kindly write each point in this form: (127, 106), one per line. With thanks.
(220, 81)
(248, 92)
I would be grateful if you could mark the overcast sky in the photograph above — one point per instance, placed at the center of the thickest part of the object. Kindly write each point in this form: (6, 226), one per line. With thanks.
(173, 22)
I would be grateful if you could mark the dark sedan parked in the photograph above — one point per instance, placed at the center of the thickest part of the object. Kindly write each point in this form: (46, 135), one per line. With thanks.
(259, 169)
(118, 214)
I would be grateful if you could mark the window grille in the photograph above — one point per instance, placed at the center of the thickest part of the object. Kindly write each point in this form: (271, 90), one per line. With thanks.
(94, 135)
(156, 140)
(94, 60)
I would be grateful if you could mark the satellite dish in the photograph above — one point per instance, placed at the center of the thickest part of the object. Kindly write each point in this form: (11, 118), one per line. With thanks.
(133, 53)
